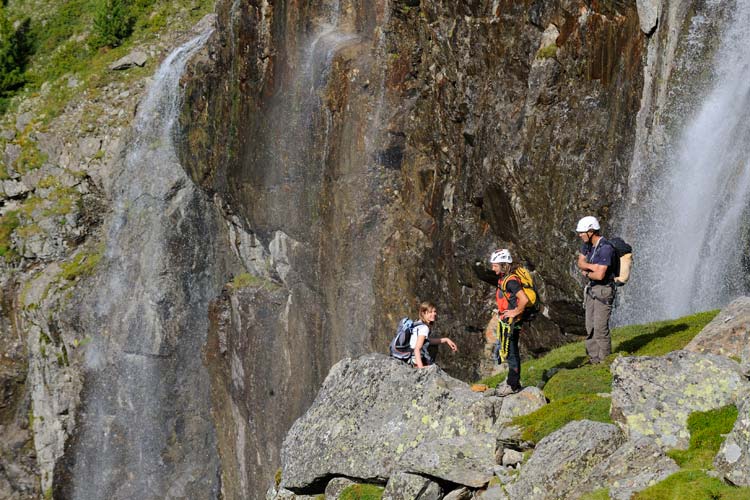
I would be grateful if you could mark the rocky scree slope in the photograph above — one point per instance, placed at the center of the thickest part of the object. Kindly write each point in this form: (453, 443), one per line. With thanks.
(379, 421)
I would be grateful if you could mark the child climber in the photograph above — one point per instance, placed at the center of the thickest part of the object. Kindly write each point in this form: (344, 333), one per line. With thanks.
(420, 337)
(511, 303)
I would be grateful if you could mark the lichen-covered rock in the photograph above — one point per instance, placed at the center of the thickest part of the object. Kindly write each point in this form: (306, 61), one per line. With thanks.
(527, 401)
(459, 494)
(648, 14)
(335, 486)
(492, 493)
(403, 486)
(375, 416)
(728, 334)
(653, 396)
(563, 461)
(633, 467)
(733, 459)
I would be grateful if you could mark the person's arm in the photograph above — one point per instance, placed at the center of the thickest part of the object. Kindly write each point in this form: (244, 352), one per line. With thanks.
(521, 301)
(484, 274)
(418, 351)
(444, 340)
(597, 270)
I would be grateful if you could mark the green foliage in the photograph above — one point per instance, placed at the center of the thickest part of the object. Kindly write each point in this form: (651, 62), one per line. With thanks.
(247, 280)
(589, 379)
(601, 494)
(556, 414)
(15, 48)
(82, 264)
(362, 492)
(8, 223)
(547, 52)
(692, 485)
(113, 23)
(707, 430)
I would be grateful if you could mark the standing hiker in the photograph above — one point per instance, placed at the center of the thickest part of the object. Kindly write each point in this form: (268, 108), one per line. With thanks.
(596, 263)
(511, 304)
(420, 337)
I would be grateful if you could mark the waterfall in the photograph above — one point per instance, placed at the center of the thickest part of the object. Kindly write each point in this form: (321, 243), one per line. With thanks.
(145, 429)
(691, 234)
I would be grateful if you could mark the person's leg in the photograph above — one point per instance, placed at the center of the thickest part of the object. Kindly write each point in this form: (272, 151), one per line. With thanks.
(591, 343)
(602, 312)
(514, 360)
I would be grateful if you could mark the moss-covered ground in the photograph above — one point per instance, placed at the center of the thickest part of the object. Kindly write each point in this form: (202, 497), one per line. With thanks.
(362, 492)
(577, 390)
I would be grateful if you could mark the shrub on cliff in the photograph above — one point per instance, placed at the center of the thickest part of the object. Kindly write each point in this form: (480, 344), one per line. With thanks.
(113, 23)
(15, 49)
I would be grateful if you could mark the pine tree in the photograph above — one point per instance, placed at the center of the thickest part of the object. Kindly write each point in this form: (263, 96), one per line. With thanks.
(112, 23)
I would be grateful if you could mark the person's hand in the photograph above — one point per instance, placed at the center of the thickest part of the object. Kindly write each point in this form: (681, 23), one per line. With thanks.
(451, 344)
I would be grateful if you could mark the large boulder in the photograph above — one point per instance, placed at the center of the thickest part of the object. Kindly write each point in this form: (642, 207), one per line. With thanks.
(733, 459)
(375, 416)
(728, 334)
(563, 461)
(653, 396)
(635, 466)
(403, 486)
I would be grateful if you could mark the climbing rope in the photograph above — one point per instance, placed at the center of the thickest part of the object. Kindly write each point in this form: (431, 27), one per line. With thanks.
(502, 345)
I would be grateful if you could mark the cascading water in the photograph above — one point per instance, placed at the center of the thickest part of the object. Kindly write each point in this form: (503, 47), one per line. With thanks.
(145, 429)
(691, 235)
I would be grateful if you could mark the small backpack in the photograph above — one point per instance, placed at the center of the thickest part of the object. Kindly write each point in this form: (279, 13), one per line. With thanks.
(400, 348)
(624, 263)
(527, 282)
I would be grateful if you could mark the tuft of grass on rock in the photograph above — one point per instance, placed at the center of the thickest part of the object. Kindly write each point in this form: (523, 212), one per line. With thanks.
(601, 494)
(556, 414)
(692, 485)
(547, 52)
(8, 223)
(362, 492)
(707, 431)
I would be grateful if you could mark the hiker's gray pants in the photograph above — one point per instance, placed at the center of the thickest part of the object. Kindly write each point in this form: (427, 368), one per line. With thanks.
(598, 301)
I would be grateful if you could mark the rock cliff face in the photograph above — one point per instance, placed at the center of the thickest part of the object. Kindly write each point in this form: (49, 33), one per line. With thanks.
(374, 151)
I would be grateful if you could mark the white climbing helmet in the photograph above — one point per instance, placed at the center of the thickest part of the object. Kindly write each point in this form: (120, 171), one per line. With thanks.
(501, 257)
(587, 224)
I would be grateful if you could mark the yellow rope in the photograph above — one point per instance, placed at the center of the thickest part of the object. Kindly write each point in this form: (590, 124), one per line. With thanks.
(503, 336)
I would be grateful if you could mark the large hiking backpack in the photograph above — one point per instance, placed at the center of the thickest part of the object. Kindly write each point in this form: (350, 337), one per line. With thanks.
(400, 345)
(624, 262)
(527, 282)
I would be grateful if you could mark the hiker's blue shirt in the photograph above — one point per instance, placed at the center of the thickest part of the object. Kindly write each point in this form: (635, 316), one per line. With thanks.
(602, 254)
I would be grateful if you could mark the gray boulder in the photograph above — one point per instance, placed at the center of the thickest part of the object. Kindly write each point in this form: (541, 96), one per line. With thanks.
(335, 486)
(135, 58)
(522, 403)
(563, 461)
(492, 493)
(459, 494)
(653, 396)
(635, 466)
(403, 486)
(375, 416)
(733, 459)
(728, 334)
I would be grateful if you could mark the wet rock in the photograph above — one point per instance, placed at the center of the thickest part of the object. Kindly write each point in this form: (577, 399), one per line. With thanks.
(375, 416)
(563, 460)
(733, 459)
(633, 467)
(653, 396)
(648, 14)
(728, 334)
(135, 58)
(403, 486)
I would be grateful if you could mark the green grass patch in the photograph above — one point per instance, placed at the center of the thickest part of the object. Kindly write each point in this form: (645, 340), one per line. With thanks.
(8, 223)
(692, 485)
(589, 379)
(547, 52)
(556, 414)
(601, 494)
(362, 492)
(707, 430)
(82, 264)
(247, 280)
